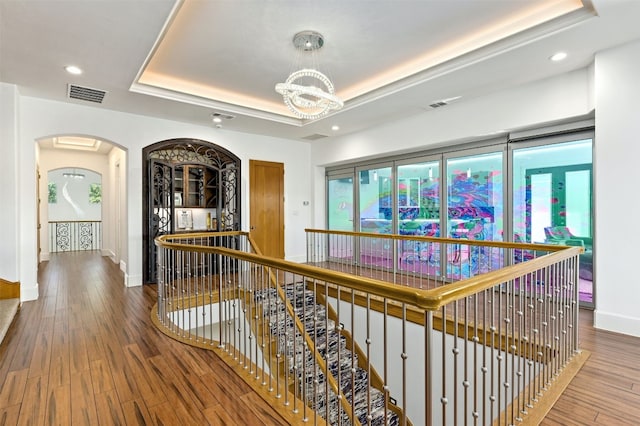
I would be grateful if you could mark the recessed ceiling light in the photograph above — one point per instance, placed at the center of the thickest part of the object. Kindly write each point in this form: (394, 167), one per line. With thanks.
(335, 128)
(217, 120)
(72, 69)
(74, 142)
(558, 56)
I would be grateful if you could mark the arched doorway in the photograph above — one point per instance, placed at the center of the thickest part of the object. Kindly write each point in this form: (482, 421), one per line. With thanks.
(188, 185)
(74, 198)
(75, 154)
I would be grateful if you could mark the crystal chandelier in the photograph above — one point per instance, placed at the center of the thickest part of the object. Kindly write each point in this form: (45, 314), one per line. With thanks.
(308, 93)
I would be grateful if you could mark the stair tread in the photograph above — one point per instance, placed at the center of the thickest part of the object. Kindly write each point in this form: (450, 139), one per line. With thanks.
(8, 310)
(313, 317)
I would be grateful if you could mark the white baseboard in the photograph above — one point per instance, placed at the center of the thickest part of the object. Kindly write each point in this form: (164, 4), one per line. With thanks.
(108, 253)
(617, 323)
(45, 256)
(132, 280)
(28, 293)
(297, 259)
(123, 266)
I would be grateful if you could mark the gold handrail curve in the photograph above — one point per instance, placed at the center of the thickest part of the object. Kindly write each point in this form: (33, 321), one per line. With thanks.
(499, 244)
(430, 300)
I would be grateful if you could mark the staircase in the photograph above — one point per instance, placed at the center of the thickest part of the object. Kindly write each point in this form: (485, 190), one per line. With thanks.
(334, 347)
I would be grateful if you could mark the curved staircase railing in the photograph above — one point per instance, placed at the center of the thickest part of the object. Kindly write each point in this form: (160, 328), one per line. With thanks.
(326, 346)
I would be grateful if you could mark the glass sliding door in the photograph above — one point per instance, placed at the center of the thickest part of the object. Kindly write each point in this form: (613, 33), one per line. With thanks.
(418, 201)
(375, 214)
(340, 197)
(552, 198)
(340, 215)
(475, 204)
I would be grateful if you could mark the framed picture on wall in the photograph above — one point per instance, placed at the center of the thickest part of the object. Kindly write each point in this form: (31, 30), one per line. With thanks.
(185, 219)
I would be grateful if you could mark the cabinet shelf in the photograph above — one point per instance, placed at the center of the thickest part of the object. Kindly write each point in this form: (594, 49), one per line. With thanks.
(195, 186)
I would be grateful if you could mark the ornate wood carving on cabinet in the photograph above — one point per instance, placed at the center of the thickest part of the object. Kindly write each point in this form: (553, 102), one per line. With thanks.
(184, 181)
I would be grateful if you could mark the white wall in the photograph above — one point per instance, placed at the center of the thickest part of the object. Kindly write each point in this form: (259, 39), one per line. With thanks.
(72, 203)
(115, 209)
(42, 118)
(617, 91)
(9, 213)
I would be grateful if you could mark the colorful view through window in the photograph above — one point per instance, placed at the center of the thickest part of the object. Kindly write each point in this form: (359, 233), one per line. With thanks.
(552, 204)
(552, 193)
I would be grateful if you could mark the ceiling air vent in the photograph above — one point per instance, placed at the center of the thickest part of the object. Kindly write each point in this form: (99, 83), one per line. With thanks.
(86, 93)
(443, 102)
(222, 116)
(438, 104)
(314, 137)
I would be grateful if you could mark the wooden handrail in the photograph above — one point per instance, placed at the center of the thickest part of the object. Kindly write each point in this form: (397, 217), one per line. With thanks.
(499, 244)
(431, 300)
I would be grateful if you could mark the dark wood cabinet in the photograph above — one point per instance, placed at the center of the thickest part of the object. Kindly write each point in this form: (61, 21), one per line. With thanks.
(196, 187)
(188, 185)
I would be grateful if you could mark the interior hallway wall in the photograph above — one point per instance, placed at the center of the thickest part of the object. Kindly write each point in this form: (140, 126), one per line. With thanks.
(617, 151)
(9, 213)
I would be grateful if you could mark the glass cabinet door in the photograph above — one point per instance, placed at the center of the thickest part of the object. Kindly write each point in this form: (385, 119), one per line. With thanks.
(195, 187)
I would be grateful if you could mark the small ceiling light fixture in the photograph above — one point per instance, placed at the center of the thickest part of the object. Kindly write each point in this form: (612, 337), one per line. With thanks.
(335, 127)
(557, 57)
(302, 91)
(72, 69)
(217, 120)
(73, 175)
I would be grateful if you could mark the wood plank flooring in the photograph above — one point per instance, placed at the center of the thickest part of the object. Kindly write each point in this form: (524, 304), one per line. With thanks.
(606, 391)
(86, 353)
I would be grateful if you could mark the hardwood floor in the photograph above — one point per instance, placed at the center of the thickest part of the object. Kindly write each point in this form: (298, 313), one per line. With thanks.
(606, 391)
(86, 353)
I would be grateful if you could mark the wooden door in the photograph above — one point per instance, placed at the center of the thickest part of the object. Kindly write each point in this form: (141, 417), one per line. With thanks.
(266, 189)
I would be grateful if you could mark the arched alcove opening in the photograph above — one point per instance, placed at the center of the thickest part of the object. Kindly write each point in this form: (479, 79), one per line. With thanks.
(76, 155)
(189, 185)
(74, 198)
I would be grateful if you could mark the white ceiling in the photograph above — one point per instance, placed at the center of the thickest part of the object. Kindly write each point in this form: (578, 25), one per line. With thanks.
(387, 58)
